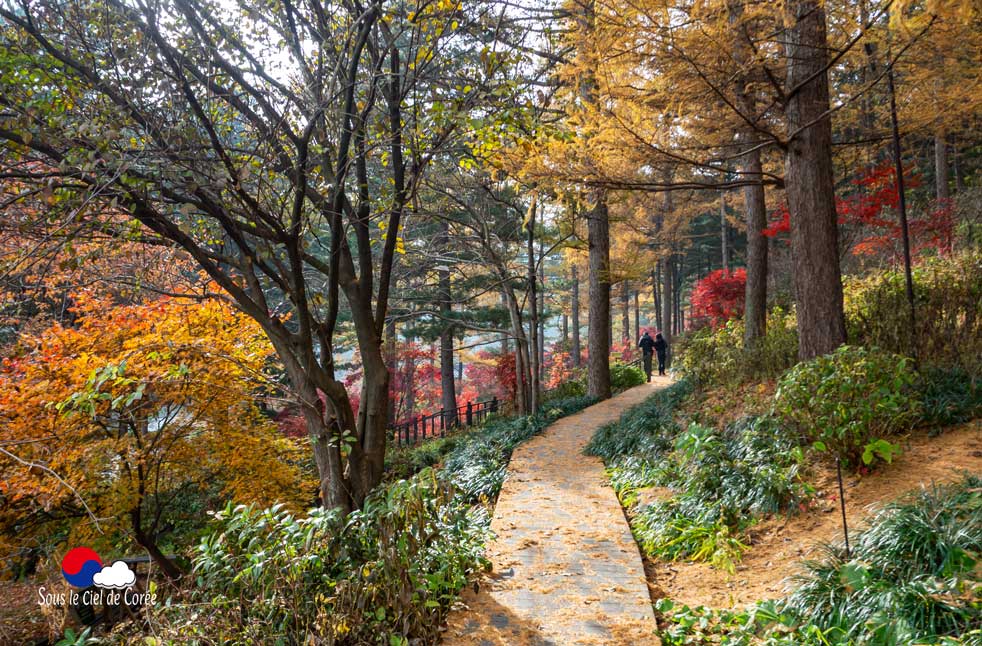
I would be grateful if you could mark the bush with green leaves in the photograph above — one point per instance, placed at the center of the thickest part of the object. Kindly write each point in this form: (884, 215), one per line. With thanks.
(624, 376)
(948, 300)
(709, 356)
(913, 575)
(849, 401)
(949, 396)
(722, 481)
(644, 431)
(383, 575)
(913, 578)
(571, 388)
(405, 461)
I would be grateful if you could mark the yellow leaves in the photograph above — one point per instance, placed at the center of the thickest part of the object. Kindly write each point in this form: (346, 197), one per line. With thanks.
(182, 410)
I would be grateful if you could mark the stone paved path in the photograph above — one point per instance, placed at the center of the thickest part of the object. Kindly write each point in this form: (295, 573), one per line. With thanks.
(566, 568)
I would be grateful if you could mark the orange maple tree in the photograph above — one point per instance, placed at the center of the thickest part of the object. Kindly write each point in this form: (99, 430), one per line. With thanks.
(110, 428)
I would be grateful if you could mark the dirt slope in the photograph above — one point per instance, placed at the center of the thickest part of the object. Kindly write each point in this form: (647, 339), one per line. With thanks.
(779, 544)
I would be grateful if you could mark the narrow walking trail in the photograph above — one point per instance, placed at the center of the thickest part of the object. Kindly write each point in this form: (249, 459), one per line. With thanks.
(566, 568)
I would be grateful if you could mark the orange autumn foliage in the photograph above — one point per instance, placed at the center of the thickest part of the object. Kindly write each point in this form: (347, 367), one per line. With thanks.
(137, 409)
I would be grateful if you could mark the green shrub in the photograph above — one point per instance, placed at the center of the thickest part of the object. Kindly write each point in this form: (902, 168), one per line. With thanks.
(645, 431)
(721, 480)
(850, 399)
(384, 574)
(949, 396)
(948, 300)
(624, 376)
(912, 577)
(568, 389)
(404, 462)
(710, 356)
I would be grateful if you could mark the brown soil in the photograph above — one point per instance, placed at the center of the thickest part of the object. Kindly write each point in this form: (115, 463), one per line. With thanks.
(778, 545)
(21, 621)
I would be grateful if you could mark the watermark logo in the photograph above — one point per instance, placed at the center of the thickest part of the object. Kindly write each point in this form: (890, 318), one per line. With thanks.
(101, 584)
(80, 567)
(83, 568)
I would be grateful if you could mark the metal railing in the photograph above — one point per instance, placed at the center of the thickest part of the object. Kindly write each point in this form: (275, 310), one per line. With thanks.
(424, 427)
(419, 428)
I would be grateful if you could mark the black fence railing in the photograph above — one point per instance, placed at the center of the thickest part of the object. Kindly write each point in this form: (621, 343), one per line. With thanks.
(637, 363)
(424, 427)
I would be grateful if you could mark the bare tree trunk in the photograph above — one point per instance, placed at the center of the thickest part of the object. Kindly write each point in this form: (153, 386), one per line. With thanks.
(755, 295)
(724, 233)
(564, 330)
(576, 318)
(755, 292)
(522, 375)
(809, 184)
(941, 165)
(505, 349)
(598, 239)
(626, 310)
(637, 316)
(541, 314)
(677, 295)
(409, 377)
(655, 287)
(391, 361)
(145, 540)
(668, 269)
(533, 301)
(956, 158)
(448, 387)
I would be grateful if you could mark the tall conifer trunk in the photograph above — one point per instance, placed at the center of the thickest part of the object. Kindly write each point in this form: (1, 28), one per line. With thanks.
(598, 239)
(809, 184)
(576, 317)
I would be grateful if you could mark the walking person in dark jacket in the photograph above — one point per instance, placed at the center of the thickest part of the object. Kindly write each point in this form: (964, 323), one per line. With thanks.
(647, 345)
(661, 347)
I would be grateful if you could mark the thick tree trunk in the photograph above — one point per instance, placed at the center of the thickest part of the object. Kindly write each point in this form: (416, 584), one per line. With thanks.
(941, 165)
(755, 293)
(323, 424)
(144, 540)
(565, 330)
(522, 376)
(755, 296)
(610, 325)
(575, 350)
(809, 184)
(598, 338)
(366, 459)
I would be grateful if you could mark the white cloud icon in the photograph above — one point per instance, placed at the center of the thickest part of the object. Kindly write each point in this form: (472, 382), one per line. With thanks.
(118, 576)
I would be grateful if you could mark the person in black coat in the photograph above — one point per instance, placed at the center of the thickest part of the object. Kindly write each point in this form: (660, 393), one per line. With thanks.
(647, 345)
(661, 347)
